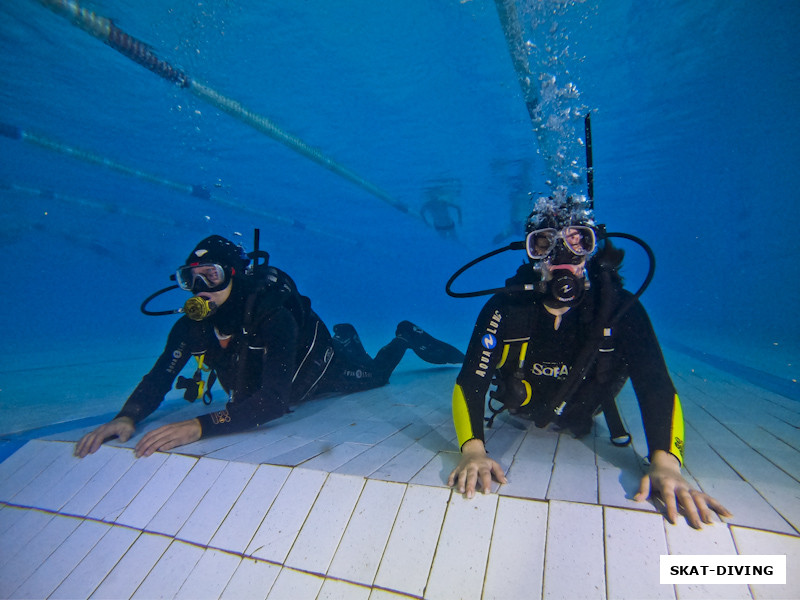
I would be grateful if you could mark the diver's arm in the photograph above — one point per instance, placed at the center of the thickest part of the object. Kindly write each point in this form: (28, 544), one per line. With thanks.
(658, 401)
(482, 357)
(663, 423)
(150, 392)
(279, 334)
(147, 396)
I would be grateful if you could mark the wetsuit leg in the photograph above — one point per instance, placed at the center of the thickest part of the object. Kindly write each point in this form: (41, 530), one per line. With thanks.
(427, 347)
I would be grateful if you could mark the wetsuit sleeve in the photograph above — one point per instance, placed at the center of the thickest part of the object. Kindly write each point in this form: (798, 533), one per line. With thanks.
(269, 370)
(150, 392)
(658, 401)
(482, 357)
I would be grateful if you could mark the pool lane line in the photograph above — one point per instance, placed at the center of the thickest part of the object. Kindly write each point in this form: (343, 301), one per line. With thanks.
(104, 29)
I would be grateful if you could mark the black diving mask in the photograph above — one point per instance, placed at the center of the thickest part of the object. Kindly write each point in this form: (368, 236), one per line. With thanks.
(202, 277)
(578, 240)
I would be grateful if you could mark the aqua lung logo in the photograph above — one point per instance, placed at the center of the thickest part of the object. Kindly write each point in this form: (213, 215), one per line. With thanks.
(550, 370)
(489, 343)
(358, 374)
(176, 357)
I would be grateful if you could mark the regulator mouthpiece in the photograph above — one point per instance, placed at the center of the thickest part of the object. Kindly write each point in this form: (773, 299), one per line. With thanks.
(198, 308)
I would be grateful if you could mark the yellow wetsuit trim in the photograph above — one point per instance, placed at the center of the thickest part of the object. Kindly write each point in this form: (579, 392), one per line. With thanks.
(504, 357)
(461, 418)
(528, 392)
(676, 444)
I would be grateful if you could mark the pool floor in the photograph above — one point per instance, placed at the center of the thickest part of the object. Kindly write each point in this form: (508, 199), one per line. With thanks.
(346, 497)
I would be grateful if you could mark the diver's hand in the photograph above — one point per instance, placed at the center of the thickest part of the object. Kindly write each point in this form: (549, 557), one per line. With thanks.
(475, 467)
(665, 479)
(169, 436)
(121, 427)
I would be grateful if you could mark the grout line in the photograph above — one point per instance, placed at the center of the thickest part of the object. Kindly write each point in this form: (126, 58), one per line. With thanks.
(241, 555)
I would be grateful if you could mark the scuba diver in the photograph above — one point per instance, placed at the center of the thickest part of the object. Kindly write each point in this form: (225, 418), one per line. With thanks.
(437, 213)
(558, 343)
(259, 337)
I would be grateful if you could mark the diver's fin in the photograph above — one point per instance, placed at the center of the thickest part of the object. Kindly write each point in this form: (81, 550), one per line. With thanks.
(427, 347)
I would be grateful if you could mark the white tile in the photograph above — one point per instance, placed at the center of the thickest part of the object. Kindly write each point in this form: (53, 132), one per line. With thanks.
(517, 553)
(335, 457)
(682, 538)
(77, 479)
(50, 573)
(786, 501)
(635, 542)
(751, 541)
(210, 576)
(244, 444)
(9, 515)
(183, 501)
(295, 585)
(575, 563)
(247, 513)
(46, 483)
(97, 564)
(437, 471)
(405, 564)
(168, 574)
(252, 580)
(267, 454)
(342, 590)
(101, 482)
(459, 564)
(14, 572)
(25, 525)
(404, 466)
(374, 458)
(132, 568)
(25, 465)
(218, 500)
(279, 528)
(748, 507)
(157, 491)
(318, 539)
(367, 533)
(528, 477)
(125, 489)
(573, 482)
(301, 454)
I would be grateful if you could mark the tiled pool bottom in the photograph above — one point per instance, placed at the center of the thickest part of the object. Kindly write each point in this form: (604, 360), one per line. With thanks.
(346, 498)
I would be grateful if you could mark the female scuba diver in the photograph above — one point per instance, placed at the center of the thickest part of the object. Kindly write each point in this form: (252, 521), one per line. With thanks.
(260, 338)
(559, 342)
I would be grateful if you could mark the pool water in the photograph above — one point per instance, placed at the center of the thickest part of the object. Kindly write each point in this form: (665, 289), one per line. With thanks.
(418, 102)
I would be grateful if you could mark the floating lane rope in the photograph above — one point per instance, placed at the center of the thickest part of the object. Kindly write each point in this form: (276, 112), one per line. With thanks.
(18, 133)
(105, 30)
(197, 191)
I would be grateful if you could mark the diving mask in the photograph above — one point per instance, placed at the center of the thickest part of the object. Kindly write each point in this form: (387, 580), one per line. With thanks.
(202, 277)
(578, 239)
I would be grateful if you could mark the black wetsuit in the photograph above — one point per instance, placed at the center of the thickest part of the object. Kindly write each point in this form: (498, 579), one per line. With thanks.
(283, 353)
(512, 329)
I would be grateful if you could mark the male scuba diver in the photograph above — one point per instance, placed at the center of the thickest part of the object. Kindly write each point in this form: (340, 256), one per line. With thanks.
(262, 341)
(559, 342)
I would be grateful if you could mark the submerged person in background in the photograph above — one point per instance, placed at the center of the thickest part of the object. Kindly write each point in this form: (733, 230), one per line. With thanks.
(266, 346)
(560, 355)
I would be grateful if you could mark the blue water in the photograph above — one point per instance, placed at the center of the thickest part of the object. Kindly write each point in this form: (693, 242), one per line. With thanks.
(694, 127)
